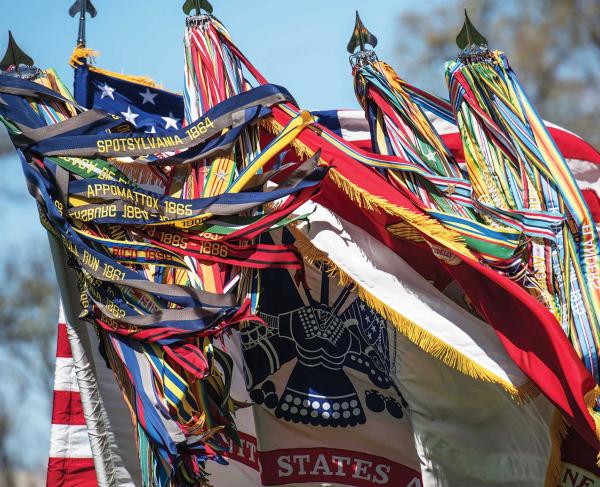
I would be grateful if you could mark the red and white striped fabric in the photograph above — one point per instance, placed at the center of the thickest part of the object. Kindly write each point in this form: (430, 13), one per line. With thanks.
(70, 463)
(583, 159)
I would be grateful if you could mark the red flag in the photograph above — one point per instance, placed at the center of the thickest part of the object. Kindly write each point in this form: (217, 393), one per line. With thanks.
(529, 332)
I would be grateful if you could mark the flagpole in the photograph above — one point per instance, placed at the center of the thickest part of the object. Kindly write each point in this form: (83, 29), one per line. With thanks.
(81, 34)
(107, 463)
(83, 7)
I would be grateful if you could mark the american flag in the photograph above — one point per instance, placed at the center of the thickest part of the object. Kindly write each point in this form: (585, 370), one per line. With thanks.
(70, 463)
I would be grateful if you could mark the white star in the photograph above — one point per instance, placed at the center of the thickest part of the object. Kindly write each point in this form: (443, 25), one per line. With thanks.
(171, 121)
(178, 179)
(152, 130)
(430, 156)
(148, 97)
(130, 116)
(107, 91)
(222, 175)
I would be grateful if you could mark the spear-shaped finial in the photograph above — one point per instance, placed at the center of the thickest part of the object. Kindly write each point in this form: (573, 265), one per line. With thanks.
(14, 57)
(360, 36)
(469, 36)
(198, 6)
(82, 7)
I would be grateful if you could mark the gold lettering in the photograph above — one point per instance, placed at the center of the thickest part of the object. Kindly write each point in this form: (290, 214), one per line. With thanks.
(112, 273)
(90, 261)
(178, 209)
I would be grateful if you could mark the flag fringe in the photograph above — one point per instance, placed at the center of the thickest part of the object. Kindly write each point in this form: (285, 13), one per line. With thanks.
(423, 223)
(591, 398)
(559, 427)
(423, 339)
(426, 226)
(81, 53)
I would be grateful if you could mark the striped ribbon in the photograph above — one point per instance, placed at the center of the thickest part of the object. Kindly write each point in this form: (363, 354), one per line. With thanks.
(433, 180)
(144, 282)
(522, 180)
(213, 73)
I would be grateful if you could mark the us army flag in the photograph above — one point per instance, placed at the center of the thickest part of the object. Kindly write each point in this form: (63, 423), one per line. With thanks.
(464, 398)
(319, 372)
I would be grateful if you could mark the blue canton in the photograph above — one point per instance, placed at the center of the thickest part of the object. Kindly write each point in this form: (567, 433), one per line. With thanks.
(149, 110)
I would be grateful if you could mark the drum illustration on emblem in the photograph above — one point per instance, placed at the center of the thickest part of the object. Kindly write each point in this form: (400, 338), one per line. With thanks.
(329, 335)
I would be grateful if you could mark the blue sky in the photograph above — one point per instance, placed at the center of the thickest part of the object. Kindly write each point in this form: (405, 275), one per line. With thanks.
(300, 45)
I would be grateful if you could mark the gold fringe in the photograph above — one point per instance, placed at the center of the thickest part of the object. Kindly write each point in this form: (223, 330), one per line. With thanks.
(424, 224)
(559, 428)
(429, 343)
(405, 231)
(422, 338)
(81, 53)
(590, 398)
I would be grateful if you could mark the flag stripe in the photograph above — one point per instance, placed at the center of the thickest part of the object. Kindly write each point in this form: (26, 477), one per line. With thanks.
(69, 441)
(71, 472)
(64, 377)
(67, 409)
(70, 463)
(63, 349)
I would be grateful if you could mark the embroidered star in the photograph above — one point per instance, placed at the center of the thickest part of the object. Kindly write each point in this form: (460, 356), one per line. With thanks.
(152, 130)
(430, 156)
(148, 97)
(107, 91)
(171, 121)
(178, 179)
(130, 116)
(222, 175)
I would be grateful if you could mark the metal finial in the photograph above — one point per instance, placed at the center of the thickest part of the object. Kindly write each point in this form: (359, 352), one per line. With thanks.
(469, 36)
(16, 63)
(198, 6)
(360, 36)
(82, 7)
